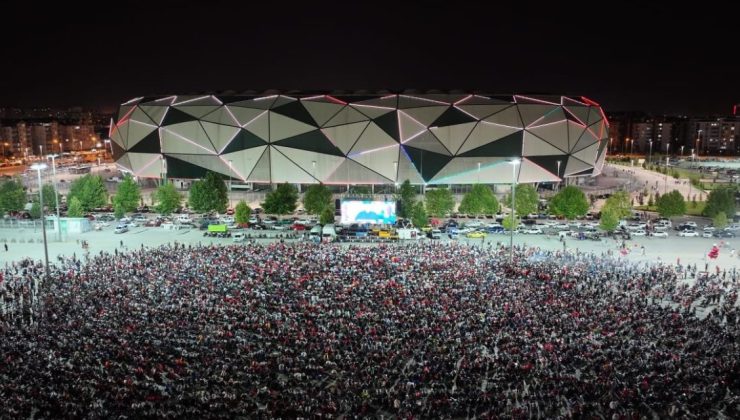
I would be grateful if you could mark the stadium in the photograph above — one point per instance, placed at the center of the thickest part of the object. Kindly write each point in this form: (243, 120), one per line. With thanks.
(358, 138)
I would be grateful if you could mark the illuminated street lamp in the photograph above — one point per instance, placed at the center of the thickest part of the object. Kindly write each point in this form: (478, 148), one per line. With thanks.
(56, 194)
(682, 152)
(650, 156)
(40, 167)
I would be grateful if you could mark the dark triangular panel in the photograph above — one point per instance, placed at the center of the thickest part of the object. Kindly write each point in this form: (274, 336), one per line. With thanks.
(452, 116)
(175, 116)
(177, 168)
(427, 163)
(244, 140)
(296, 111)
(550, 163)
(149, 144)
(118, 151)
(582, 173)
(314, 141)
(509, 146)
(389, 123)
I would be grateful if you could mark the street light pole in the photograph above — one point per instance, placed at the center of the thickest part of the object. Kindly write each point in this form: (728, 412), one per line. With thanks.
(514, 162)
(56, 195)
(650, 156)
(665, 189)
(39, 167)
(682, 152)
(560, 179)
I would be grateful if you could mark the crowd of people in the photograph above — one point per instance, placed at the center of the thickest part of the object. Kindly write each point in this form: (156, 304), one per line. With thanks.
(300, 330)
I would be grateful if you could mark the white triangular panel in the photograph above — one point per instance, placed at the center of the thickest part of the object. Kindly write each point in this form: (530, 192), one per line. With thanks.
(372, 111)
(141, 116)
(509, 117)
(210, 162)
(426, 115)
(322, 112)
(324, 166)
(220, 135)
(407, 170)
(379, 160)
(146, 165)
(427, 141)
(534, 146)
(389, 101)
(156, 113)
(408, 127)
(484, 133)
(282, 127)
(284, 170)
(347, 115)
(196, 100)
(262, 169)
(117, 134)
(554, 133)
(137, 131)
(124, 111)
(465, 171)
(222, 115)
(575, 131)
(588, 154)
(482, 111)
(599, 166)
(452, 136)
(125, 163)
(410, 101)
(260, 126)
(532, 112)
(244, 161)
(587, 139)
(187, 137)
(263, 103)
(282, 100)
(372, 138)
(553, 116)
(531, 172)
(351, 172)
(345, 136)
(575, 165)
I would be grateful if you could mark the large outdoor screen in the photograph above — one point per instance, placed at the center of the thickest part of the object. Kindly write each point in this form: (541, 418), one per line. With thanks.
(376, 212)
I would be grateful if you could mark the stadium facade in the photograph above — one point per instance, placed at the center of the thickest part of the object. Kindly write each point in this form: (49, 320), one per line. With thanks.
(362, 139)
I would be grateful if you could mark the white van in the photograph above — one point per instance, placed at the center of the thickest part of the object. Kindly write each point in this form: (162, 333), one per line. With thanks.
(328, 233)
(184, 218)
(239, 237)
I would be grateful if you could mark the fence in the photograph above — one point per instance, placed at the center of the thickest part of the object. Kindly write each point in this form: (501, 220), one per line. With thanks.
(25, 224)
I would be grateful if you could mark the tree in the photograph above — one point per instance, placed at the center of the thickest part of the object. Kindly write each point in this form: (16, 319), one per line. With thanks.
(570, 203)
(609, 219)
(316, 198)
(50, 199)
(12, 196)
(439, 202)
(359, 190)
(419, 215)
(75, 208)
(209, 194)
(128, 194)
(720, 200)
(620, 204)
(406, 198)
(510, 222)
(118, 211)
(527, 199)
(327, 216)
(90, 190)
(720, 220)
(281, 201)
(35, 209)
(650, 202)
(242, 212)
(671, 204)
(168, 199)
(479, 200)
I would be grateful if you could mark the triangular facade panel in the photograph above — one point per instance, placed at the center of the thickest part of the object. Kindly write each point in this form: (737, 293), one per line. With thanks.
(146, 165)
(210, 162)
(197, 111)
(588, 154)
(372, 111)
(453, 136)
(575, 131)
(531, 172)
(427, 163)
(407, 170)
(554, 116)
(282, 127)
(410, 101)
(509, 117)
(175, 116)
(473, 170)
(389, 124)
(220, 135)
(223, 116)
(554, 133)
(594, 115)
(485, 133)
(346, 115)
(124, 162)
(373, 138)
(155, 113)
(550, 163)
(575, 165)
(535, 146)
(295, 110)
(185, 138)
(426, 115)
(580, 112)
(532, 112)
(242, 141)
(452, 116)
(263, 103)
(509, 146)
(321, 111)
(262, 169)
(244, 161)
(351, 172)
(408, 127)
(482, 111)
(586, 140)
(140, 116)
(318, 165)
(427, 141)
(285, 170)
(138, 131)
(379, 160)
(149, 144)
(345, 136)
(314, 141)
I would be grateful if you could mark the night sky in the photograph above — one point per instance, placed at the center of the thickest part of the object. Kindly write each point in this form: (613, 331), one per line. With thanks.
(629, 57)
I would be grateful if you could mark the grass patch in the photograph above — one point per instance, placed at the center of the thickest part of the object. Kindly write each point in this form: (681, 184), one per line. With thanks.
(690, 209)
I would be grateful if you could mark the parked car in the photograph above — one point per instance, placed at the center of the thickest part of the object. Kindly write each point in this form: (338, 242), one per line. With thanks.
(724, 233)
(688, 232)
(475, 234)
(639, 232)
(121, 229)
(660, 234)
(533, 231)
(434, 234)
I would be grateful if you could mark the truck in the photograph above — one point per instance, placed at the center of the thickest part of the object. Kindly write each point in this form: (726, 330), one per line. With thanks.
(409, 233)
(328, 233)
